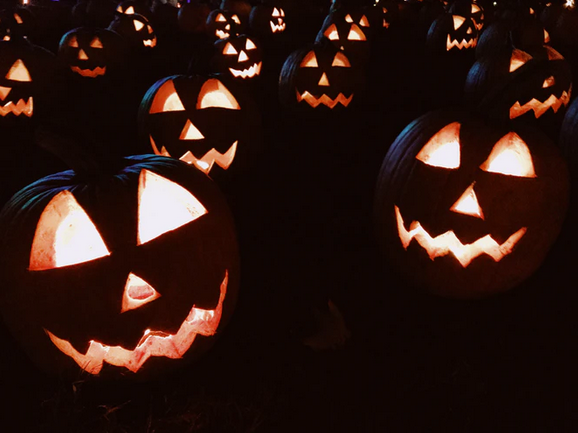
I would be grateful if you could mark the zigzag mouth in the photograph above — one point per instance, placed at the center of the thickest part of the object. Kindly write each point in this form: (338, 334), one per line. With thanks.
(206, 162)
(17, 109)
(151, 43)
(250, 72)
(277, 28)
(448, 242)
(152, 343)
(221, 34)
(451, 43)
(324, 99)
(539, 107)
(90, 73)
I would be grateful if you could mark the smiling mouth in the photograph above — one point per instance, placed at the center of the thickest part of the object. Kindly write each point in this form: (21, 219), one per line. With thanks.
(206, 162)
(151, 43)
(18, 108)
(90, 73)
(323, 99)
(247, 73)
(221, 34)
(448, 242)
(152, 343)
(277, 28)
(459, 45)
(539, 107)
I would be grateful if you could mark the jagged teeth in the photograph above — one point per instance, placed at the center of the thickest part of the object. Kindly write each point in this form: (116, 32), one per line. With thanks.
(206, 162)
(540, 107)
(91, 73)
(463, 44)
(149, 43)
(324, 99)
(250, 72)
(18, 108)
(275, 28)
(221, 34)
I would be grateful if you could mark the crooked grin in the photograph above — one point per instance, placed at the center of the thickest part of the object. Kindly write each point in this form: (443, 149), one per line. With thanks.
(91, 73)
(17, 109)
(221, 34)
(448, 242)
(540, 107)
(277, 28)
(451, 43)
(150, 43)
(152, 343)
(250, 72)
(324, 99)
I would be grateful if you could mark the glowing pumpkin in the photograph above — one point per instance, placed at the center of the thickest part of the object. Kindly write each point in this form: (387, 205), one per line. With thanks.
(133, 273)
(238, 57)
(465, 209)
(136, 29)
(452, 34)
(222, 24)
(267, 19)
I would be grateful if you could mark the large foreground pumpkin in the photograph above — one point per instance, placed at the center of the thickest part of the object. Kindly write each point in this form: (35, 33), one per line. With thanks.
(129, 273)
(466, 209)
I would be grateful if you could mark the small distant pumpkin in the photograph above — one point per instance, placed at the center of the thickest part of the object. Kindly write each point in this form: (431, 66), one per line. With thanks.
(238, 57)
(136, 29)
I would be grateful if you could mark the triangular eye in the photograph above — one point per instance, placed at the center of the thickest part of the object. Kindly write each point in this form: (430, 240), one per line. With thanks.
(65, 236)
(250, 45)
(275, 12)
(149, 28)
(348, 18)
(553, 54)
(73, 42)
(166, 99)
(96, 43)
(236, 19)
(475, 8)
(282, 12)
(331, 33)
(163, 206)
(138, 25)
(215, 94)
(18, 72)
(18, 19)
(518, 59)
(355, 34)
(129, 10)
(443, 149)
(309, 61)
(546, 37)
(364, 22)
(510, 156)
(458, 21)
(341, 61)
(229, 49)
(137, 292)
(119, 8)
(221, 18)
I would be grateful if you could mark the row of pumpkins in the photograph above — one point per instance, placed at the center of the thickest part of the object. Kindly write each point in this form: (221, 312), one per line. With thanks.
(493, 191)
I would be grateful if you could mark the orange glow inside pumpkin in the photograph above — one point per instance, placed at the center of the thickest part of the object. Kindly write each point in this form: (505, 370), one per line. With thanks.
(443, 149)
(65, 235)
(309, 61)
(323, 81)
(518, 59)
(468, 204)
(18, 72)
(166, 99)
(355, 34)
(215, 94)
(163, 206)
(191, 132)
(137, 292)
(206, 162)
(340, 61)
(510, 156)
(458, 21)
(96, 43)
(331, 33)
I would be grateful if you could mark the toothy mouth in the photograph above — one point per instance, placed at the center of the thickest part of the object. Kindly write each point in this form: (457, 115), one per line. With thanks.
(247, 73)
(150, 43)
(221, 34)
(90, 73)
(539, 107)
(152, 343)
(448, 242)
(324, 99)
(277, 28)
(451, 43)
(206, 162)
(17, 109)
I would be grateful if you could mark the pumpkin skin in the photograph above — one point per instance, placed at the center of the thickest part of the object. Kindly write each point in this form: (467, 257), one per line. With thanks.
(319, 78)
(89, 297)
(192, 17)
(136, 29)
(470, 9)
(220, 137)
(90, 52)
(267, 20)
(239, 57)
(222, 24)
(452, 34)
(465, 197)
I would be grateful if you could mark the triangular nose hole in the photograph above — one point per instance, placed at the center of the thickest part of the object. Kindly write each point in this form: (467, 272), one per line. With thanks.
(190, 132)
(468, 204)
(548, 82)
(18, 72)
(137, 292)
(323, 81)
(82, 55)
(4, 92)
(243, 56)
(228, 27)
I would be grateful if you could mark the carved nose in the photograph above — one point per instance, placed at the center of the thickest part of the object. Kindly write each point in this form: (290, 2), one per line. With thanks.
(243, 56)
(468, 204)
(323, 81)
(137, 292)
(82, 55)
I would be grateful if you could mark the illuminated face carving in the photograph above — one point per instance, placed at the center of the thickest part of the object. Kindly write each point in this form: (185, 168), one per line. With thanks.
(18, 73)
(452, 33)
(467, 8)
(319, 78)
(198, 121)
(277, 20)
(239, 56)
(131, 7)
(472, 204)
(125, 301)
(88, 52)
(223, 24)
(136, 29)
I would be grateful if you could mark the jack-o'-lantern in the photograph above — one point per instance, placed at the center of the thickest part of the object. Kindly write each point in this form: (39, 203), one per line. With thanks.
(452, 33)
(319, 78)
(26, 73)
(131, 271)
(17, 22)
(223, 24)
(267, 19)
(470, 9)
(238, 56)
(198, 120)
(467, 209)
(131, 7)
(386, 13)
(136, 29)
(348, 35)
(90, 52)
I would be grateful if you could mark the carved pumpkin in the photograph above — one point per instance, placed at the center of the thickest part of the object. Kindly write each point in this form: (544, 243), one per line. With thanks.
(130, 272)
(238, 56)
(201, 122)
(465, 209)
(131, 7)
(267, 19)
(470, 9)
(90, 52)
(452, 33)
(319, 78)
(136, 29)
(223, 24)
